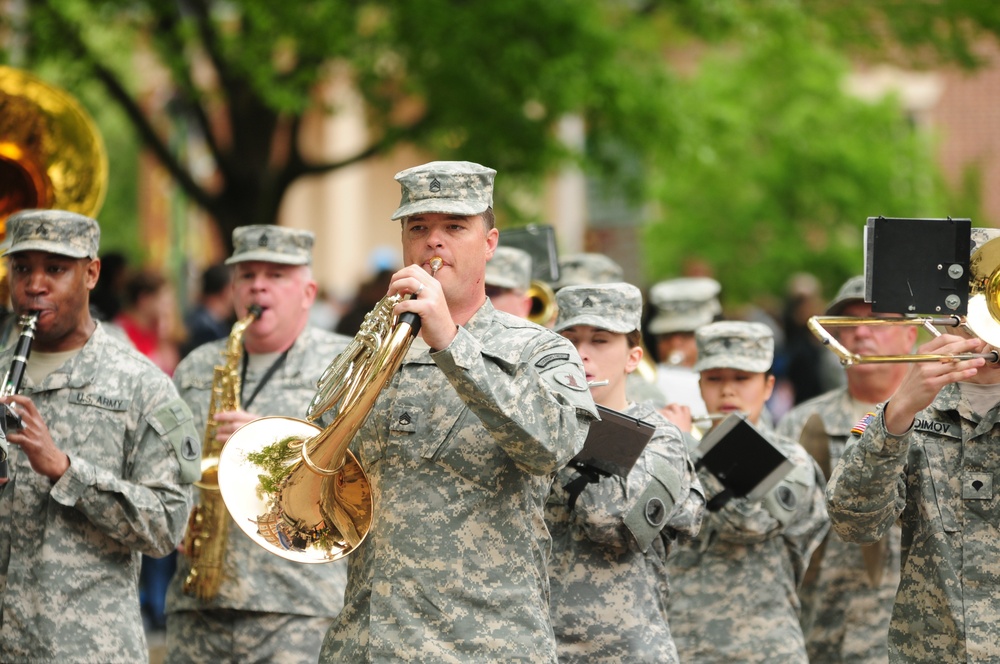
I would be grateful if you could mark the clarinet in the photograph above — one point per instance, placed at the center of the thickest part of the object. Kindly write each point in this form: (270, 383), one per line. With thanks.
(9, 420)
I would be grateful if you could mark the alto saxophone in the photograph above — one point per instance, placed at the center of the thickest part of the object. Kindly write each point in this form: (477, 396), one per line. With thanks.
(208, 525)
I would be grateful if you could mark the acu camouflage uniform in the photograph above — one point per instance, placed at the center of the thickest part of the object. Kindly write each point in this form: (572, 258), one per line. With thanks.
(936, 482)
(255, 580)
(608, 564)
(460, 449)
(607, 572)
(937, 479)
(733, 587)
(844, 617)
(257, 584)
(70, 551)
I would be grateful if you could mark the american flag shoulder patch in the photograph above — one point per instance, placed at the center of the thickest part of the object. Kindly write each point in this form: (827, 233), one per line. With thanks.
(862, 424)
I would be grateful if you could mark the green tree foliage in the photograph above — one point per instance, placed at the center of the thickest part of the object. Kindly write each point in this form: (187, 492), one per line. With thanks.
(478, 81)
(776, 169)
(757, 147)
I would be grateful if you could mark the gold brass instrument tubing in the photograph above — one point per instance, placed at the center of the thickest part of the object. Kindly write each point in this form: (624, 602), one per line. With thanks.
(818, 324)
(208, 525)
(297, 490)
(712, 417)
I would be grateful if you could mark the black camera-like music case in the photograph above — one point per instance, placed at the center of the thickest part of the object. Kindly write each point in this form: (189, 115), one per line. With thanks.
(746, 462)
(614, 443)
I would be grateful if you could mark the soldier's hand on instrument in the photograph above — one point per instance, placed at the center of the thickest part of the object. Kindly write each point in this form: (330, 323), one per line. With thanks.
(35, 440)
(231, 420)
(924, 380)
(437, 328)
(679, 414)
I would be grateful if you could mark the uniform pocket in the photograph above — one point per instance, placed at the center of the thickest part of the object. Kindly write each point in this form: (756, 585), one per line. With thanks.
(938, 488)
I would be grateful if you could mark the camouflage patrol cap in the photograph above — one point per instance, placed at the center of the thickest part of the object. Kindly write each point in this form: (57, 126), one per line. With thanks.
(851, 292)
(271, 244)
(509, 268)
(734, 345)
(613, 307)
(445, 187)
(53, 231)
(684, 304)
(587, 268)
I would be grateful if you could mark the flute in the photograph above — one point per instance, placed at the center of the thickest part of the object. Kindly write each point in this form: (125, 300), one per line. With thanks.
(712, 417)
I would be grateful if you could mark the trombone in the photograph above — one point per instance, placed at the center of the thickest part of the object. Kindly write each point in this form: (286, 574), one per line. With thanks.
(982, 320)
(818, 324)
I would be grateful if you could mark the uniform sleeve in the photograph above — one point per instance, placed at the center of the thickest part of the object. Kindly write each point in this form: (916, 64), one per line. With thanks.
(794, 509)
(147, 506)
(533, 398)
(629, 513)
(866, 493)
(807, 528)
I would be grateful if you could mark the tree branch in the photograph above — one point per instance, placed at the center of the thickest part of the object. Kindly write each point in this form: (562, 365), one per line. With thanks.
(187, 93)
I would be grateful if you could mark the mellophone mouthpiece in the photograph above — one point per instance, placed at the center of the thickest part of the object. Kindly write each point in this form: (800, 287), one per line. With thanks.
(9, 419)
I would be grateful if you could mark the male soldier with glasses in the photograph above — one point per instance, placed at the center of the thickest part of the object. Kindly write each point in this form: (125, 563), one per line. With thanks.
(848, 592)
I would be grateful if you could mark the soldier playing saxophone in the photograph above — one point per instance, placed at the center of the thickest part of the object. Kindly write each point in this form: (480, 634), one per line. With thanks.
(265, 608)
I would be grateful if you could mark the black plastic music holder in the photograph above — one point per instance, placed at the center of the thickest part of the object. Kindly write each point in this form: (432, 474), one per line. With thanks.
(917, 266)
(614, 443)
(743, 460)
(539, 242)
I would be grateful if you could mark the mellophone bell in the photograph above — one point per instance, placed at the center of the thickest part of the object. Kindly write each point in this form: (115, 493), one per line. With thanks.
(933, 273)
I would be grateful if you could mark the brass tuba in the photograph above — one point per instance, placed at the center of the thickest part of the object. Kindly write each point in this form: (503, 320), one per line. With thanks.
(296, 489)
(208, 524)
(51, 154)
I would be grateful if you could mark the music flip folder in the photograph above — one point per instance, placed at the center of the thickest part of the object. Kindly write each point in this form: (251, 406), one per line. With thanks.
(742, 459)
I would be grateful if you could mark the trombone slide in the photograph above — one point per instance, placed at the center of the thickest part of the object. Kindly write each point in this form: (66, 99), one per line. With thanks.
(818, 324)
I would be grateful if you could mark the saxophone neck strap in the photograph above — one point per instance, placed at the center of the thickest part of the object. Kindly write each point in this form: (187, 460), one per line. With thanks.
(263, 380)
